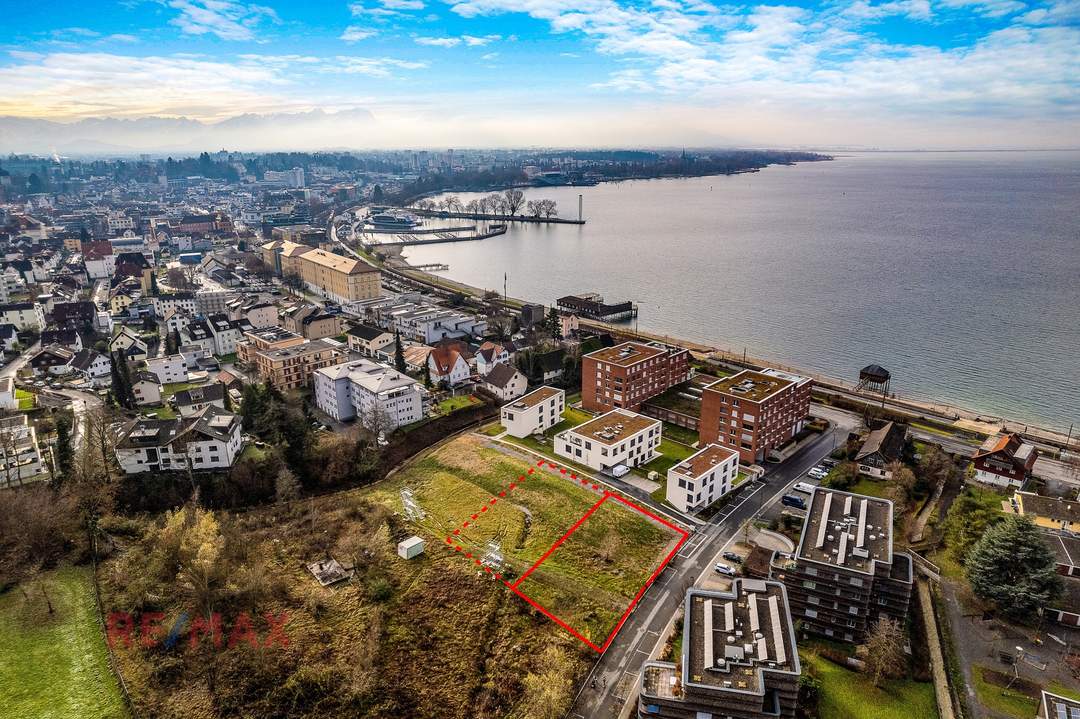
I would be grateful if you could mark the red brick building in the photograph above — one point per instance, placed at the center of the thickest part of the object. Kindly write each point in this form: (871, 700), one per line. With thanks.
(754, 412)
(624, 376)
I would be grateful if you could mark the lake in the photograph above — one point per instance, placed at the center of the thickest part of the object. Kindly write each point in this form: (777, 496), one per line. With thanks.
(958, 272)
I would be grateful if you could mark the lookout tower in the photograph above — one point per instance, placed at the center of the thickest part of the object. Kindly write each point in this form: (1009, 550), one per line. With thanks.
(874, 378)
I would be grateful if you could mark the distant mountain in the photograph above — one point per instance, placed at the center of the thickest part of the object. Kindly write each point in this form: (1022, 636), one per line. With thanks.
(109, 135)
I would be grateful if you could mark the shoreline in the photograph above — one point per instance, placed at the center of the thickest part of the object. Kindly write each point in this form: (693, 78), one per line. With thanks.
(962, 419)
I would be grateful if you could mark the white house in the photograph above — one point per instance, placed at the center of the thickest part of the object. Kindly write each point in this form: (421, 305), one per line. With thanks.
(227, 333)
(535, 412)
(448, 366)
(128, 343)
(20, 458)
(8, 400)
(94, 366)
(190, 402)
(183, 301)
(147, 388)
(176, 320)
(169, 369)
(505, 382)
(490, 354)
(368, 341)
(374, 393)
(24, 315)
(210, 440)
(619, 437)
(9, 336)
(702, 478)
(198, 334)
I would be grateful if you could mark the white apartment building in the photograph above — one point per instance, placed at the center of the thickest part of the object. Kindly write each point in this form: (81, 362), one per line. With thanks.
(619, 437)
(368, 390)
(169, 369)
(535, 412)
(20, 458)
(227, 333)
(24, 315)
(182, 301)
(210, 440)
(702, 478)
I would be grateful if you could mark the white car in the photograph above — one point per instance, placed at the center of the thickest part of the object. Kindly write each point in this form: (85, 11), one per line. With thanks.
(726, 569)
(804, 487)
(818, 473)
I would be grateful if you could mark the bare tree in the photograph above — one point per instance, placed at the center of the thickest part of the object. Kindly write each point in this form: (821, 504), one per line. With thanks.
(885, 649)
(549, 208)
(514, 199)
(534, 208)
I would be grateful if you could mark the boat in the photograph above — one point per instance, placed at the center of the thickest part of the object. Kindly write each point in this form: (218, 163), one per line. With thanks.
(394, 219)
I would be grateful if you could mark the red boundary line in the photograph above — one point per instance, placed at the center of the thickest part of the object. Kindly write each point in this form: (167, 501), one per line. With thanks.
(562, 539)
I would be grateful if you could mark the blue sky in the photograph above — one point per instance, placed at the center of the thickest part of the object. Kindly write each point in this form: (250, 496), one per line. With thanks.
(900, 73)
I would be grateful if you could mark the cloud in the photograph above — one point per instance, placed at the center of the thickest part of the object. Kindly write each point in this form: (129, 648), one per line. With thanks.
(371, 66)
(356, 33)
(489, 56)
(474, 41)
(438, 41)
(986, 8)
(1062, 11)
(626, 81)
(385, 9)
(122, 37)
(911, 9)
(403, 4)
(227, 19)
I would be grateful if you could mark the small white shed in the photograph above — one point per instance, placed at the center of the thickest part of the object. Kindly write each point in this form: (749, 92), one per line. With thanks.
(411, 547)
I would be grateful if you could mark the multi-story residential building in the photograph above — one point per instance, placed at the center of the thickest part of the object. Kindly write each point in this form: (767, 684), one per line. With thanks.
(626, 375)
(338, 278)
(380, 396)
(844, 575)
(190, 402)
(198, 334)
(20, 458)
(367, 341)
(24, 315)
(209, 440)
(447, 365)
(310, 321)
(227, 333)
(1004, 461)
(702, 478)
(754, 412)
(99, 260)
(619, 437)
(182, 301)
(535, 412)
(212, 302)
(169, 369)
(1054, 513)
(257, 312)
(285, 359)
(739, 658)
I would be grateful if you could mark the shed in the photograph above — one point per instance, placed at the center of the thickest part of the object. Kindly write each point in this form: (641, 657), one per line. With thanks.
(411, 547)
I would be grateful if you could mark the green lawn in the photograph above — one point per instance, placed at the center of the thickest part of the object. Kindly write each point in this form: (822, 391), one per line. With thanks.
(680, 434)
(56, 666)
(162, 412)
(26, 400)
(227, 359)
(871, 488)
(1005, 701)
(452, 404)
(168, 390)
(493, 429)
(846, 694)
(671, 454)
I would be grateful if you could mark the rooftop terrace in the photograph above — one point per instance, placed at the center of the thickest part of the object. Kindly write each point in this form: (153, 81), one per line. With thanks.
(847, 530)
(614, 427)
(751, 385)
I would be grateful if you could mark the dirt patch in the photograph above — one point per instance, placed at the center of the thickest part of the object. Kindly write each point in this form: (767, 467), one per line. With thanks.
(1020, 686)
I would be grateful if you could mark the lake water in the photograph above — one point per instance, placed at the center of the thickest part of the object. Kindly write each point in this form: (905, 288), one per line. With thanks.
(958, 272)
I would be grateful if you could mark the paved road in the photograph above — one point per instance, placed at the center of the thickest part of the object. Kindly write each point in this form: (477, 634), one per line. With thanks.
(616, 673)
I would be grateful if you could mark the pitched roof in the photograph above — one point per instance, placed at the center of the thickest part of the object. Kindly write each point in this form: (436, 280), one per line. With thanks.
(366, 332)
(196, 395)
(445, 358)
(888, 440)
(500, 375)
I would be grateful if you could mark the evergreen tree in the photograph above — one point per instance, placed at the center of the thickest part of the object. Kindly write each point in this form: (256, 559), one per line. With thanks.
(153, 285)
(64, 453)
(427, 375)
(125, 374)
(114, 372)
(1013, 567)
(399, 354)
(553, 326)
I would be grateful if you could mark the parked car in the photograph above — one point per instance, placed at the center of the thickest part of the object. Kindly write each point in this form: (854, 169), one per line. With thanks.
(818, 473)
(733, 557)
(829, 463)
(620, 470)
(804, 487)
(726, 569)
(790, 500)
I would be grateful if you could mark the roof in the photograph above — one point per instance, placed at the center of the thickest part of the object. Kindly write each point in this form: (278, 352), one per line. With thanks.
(534, 398)
(213, 392)
(501, 375)
(614, 427)
(416, 355)
(1058, 707)
(445, 358)
(888, 440)
(751, 385)
(1066, 548)
(551, 361)
(211, 422)
(366, 332)
(1057, 509)
(847, 530)
(338, 263)
(627, 353)
(704, 460)
(84, 358)
(875, 371)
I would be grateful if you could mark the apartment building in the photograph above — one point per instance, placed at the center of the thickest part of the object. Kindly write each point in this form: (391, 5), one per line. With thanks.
(702, 478)
(367, 341)
(535, 412)
(227, 333)
(754, 412)
(24, 315)
(380, 396)
(844, 575)
(619, 437)
(336, 277)
(739, 658)
(20, 457)
(626, 375)
(210, 440)
(169, 368)
(285, 359)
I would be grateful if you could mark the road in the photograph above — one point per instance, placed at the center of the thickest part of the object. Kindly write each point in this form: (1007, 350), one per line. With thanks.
(617, 671)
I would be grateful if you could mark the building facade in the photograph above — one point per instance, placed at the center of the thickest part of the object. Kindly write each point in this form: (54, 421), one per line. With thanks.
(702, 478)
(533, 413)
(379, 396)
(210, 440)
(619, 437)
(624, 376)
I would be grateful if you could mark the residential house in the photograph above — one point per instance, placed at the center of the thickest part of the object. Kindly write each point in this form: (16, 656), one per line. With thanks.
(136, 266)
(146, 387)
(1052, 513)
(129, 344)
(53, 360)
(24, 315)
(533, 413)
(505, 382)
(549, 365)
(379, 396)
(1004, 461)
(619, 437)
(880, 449)
(68, 339)
(8, 398)
(1055, 706)
(310, 321)
(93, 366)
(210, 440)
(183, 301)
(227, 333)
(9, 337)
(490, 354)
(74, 315)
(198, 334)
(169, 369)
(415, 356)
(190, 402)
(99, 260)
(448, 366)
(367, 341)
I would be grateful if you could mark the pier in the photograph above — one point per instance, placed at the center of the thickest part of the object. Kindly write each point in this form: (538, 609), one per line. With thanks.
(492, 217)
(592, 306)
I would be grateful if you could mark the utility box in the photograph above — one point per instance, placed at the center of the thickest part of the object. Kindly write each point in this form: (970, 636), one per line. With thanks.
(411, 547)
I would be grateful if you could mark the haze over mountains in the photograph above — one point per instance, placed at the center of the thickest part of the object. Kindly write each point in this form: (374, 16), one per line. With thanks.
(302, 130)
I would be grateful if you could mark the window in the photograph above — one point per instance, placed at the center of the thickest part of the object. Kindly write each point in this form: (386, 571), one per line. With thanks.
(812, 613)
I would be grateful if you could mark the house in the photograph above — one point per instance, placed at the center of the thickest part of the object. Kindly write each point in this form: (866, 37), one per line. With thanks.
(845, 574)
(121, 298)
(53, 360)
(702, 478)
(448, 366)
(24, 315)
(285, 359)
(93, 366)
(190, 402)
(129, 344)
(1004, 461)
(533, 413)
(550, 365)
(416, 356)
(20, 457)
(183, 301)
(9, 337)
(8, 400)
(230, 381)
(490, 354)
(99, 260)
(739, 657)
(210, 440)
(198, 334)
(227, 333)
(366, 340)
(1054, 706)
(146, 387)
(168, 369)
(310, 321)
(1053, 513)
(380, 396)
(881, 448)
(133, 265)
(1066, 548)
(505, 382)
(66, 338)
(176, 320)
(619, 437)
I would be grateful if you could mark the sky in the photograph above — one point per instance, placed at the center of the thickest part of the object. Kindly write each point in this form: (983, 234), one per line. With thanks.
(898, 74)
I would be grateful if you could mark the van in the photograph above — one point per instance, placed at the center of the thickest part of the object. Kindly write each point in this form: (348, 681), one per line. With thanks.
(791, 500)
(804, 487)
